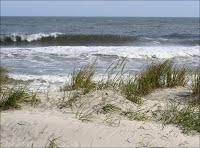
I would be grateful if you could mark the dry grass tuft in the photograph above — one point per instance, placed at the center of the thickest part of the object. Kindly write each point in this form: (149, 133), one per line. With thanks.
(12, 97)
(196, 85)
(82, 79)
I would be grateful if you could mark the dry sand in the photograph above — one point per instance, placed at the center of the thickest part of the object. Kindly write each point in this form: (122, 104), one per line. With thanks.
(37, 126)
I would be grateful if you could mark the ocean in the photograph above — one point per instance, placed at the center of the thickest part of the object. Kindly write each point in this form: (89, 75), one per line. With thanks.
(45, 50)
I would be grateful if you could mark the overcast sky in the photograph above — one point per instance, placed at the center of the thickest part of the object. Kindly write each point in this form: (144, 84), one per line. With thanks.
(101, 8)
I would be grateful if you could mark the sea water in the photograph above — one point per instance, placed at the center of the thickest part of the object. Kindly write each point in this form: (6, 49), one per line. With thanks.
(45, 50)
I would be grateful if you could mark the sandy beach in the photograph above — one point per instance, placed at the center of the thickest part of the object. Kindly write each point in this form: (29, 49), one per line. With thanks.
(86, 125)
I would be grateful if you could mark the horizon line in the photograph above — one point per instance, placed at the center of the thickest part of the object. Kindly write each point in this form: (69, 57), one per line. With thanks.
(99, 16)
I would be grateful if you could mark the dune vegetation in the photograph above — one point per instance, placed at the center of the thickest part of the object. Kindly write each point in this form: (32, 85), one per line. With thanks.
(161, 75)
(13, 94)
(196, 86)
(132, 87)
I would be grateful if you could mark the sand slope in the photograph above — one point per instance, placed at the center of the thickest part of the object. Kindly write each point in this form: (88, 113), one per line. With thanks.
(37, 126)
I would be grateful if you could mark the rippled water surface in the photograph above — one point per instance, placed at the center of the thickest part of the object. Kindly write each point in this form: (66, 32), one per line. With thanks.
(47, 49)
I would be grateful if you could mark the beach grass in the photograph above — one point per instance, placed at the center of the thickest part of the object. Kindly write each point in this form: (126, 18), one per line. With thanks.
(186, 117)
(82, 79)
(114, 74)
(13, 94)
(196, 85)
(52, 143)
(128, 89)
(109, 108)
(3, 76)
(135, 115)
(71, 101)
(154, 76)
(160, 75)
(11, 98)
(85, 117)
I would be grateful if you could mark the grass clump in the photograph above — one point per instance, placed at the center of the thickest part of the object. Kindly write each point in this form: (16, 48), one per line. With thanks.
(82, 79)
(114, 76)
(52, 143)
(5, 79)
(187, 117)
(12, 95)
(110, 108)
(160, 75)
(135, 115)
(85, 117)
(11, 98)
(70, 102)
(3, 75)
(164, 74)
(128, 89)
(196, 85)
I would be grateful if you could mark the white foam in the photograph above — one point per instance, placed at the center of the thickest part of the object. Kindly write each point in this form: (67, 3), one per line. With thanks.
(45, 78)
(29, 37)
(43, 82)
(161, 52)
(56, 79)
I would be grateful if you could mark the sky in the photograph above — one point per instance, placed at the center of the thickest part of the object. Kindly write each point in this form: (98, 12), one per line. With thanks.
(143, 8)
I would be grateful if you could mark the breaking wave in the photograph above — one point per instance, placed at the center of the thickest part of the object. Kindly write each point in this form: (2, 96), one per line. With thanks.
(64, 39)
(61, 39)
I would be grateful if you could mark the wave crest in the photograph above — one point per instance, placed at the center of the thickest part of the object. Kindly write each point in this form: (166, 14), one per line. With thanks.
(64, 39)
(61, 39)
(26, 37)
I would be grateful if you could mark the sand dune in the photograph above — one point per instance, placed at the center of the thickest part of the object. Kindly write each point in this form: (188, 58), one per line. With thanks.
(86, 125)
